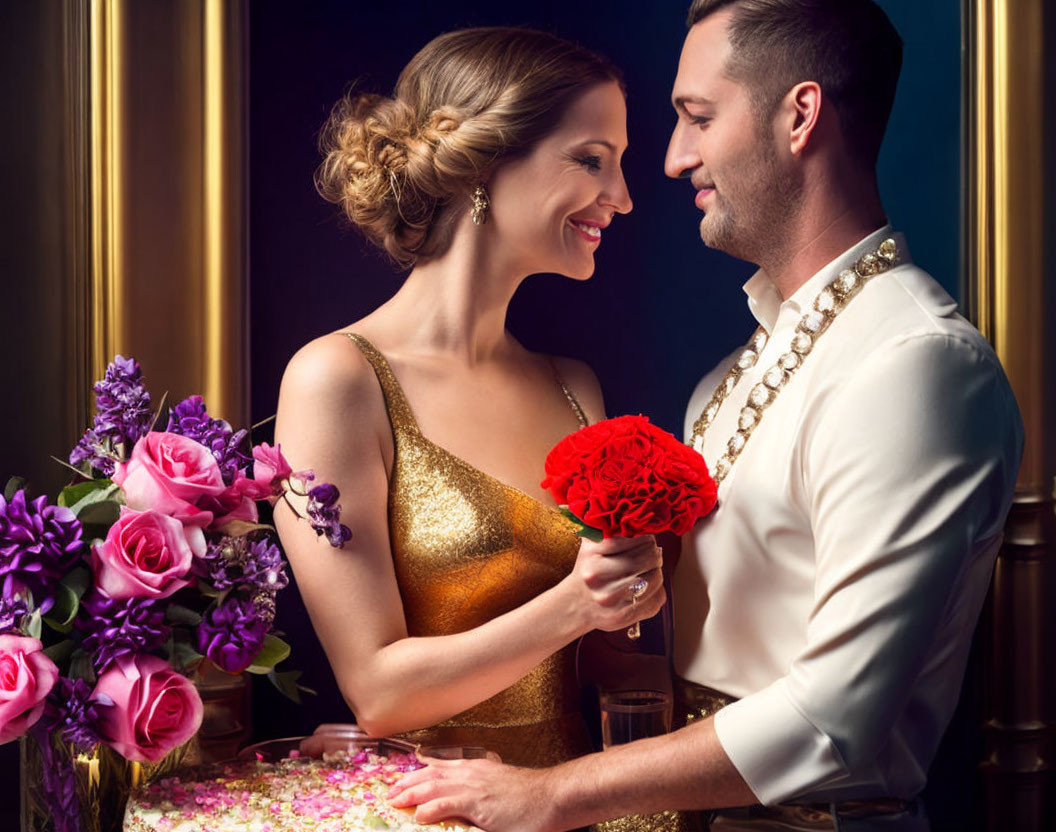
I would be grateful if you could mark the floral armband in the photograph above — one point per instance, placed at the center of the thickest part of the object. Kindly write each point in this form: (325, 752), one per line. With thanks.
(316, 504)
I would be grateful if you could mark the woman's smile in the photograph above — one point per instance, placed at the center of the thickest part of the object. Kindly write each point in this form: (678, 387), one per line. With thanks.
(588, 230)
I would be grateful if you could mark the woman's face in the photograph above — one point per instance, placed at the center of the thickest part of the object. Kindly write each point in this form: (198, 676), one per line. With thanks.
(550, 208)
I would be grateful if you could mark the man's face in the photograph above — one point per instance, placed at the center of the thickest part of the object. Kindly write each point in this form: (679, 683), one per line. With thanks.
(731, 156)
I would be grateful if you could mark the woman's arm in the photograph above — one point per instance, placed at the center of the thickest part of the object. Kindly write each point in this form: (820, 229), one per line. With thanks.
(332, 418)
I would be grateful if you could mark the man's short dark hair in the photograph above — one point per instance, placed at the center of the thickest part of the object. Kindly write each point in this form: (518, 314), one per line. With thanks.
(848, 47)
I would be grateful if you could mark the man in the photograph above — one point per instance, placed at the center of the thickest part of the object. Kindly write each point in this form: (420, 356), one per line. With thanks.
(867, 445)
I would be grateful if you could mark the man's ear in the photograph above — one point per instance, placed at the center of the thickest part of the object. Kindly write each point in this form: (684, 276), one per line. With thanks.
(804, 103)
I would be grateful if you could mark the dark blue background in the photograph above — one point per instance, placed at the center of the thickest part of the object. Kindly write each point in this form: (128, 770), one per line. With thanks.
(661, 309)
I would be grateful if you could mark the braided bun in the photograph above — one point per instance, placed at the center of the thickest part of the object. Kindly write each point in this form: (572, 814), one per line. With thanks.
(466, 101)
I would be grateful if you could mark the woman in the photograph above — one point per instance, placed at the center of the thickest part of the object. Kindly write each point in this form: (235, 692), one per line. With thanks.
(451, 616)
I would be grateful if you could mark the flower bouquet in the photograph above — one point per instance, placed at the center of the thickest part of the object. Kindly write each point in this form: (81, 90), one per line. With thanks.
(152, 560)
(625, 477)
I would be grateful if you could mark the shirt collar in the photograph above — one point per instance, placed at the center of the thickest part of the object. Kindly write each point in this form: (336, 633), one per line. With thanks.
(765, 303)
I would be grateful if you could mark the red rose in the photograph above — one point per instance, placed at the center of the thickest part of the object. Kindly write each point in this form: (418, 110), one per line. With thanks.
(627, 477)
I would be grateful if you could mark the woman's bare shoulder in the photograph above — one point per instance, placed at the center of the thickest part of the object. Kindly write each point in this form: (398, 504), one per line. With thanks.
(583, 382)
(331, 374)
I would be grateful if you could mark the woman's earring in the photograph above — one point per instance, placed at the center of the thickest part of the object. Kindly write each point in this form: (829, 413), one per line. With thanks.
(480, 206)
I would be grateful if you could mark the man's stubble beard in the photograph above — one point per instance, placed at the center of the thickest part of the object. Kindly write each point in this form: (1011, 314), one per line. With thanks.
(767, 198)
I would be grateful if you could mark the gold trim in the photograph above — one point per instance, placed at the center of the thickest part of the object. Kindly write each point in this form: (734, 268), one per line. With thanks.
(168, 202)
(981, 150)
(1006, 195)
(224, 370)
(1005, 261)
(213, 195)
(107, 331)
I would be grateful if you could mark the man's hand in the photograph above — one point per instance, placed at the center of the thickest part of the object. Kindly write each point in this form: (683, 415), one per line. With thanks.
(686, 769)
(490, 795)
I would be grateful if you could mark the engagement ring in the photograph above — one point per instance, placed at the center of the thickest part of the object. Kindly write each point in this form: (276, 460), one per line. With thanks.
(638, 589)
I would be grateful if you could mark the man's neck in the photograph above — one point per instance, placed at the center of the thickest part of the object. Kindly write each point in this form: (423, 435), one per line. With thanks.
(825, 228)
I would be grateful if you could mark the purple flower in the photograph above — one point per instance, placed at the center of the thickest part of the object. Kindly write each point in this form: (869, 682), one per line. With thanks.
(237, 562)
(11, 612)
(59, 780)
(73, 712)
(96, 451)
(112, 629)
(232, 634)
(324, 514)
(122, 416)
(189, 418)
(38, 545)
(325, 495)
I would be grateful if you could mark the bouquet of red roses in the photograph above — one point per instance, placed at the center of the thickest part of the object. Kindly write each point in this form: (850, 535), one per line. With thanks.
(625, 477)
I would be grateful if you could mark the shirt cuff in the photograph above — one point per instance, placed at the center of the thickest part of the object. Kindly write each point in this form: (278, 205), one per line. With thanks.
(778, 752)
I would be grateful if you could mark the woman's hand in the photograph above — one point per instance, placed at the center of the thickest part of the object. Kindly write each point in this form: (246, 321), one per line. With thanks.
(604, 580)
(331, 736)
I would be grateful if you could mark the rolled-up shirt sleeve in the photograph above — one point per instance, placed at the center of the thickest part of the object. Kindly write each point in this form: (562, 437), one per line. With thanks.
(907, 467)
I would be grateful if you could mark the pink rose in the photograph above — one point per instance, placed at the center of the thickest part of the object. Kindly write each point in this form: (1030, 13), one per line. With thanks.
(237, 502)
(171, 474)
(26, 678)
(146, 555)
(270, 467)
(155, 708)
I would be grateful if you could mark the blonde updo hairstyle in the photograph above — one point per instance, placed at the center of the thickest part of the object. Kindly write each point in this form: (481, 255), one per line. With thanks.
(401, 167)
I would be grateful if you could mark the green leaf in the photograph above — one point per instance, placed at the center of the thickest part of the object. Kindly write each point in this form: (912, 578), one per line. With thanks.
(60, 652)
(179, 614)
(286, 683)
(31, 624)
(184, 657)
(80, 473)
(14, 484)
(71, 495)
(78, 580)
(590, 533)
(582, 530)
(160, 410)
(101, 513)
(238, 528)
(81, 666)
(208, 590)
(60, 616)
(273, 652)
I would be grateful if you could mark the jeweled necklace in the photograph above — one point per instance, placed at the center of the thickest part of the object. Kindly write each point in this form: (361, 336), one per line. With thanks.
(829, 302)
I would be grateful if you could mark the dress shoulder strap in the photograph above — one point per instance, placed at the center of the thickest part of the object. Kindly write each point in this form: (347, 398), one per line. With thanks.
(395, 401)
(573, 402)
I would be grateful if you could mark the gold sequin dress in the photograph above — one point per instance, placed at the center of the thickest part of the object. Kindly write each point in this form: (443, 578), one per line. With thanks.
(468, 548)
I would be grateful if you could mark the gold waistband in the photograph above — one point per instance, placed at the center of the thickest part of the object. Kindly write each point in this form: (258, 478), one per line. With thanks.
(693, 701)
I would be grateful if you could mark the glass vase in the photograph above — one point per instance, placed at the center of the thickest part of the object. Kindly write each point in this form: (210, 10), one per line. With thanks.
(97, 790)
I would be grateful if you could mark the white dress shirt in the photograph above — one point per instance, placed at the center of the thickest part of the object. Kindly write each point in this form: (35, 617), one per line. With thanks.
(836, 586)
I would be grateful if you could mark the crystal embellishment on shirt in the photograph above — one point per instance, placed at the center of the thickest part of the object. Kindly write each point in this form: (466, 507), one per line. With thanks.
(828, 303)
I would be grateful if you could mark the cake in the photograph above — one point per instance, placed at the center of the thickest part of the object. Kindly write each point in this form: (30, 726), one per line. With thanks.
(343, 791)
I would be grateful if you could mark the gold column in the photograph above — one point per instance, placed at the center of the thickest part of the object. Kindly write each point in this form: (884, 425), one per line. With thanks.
(168, 199)
(107, 333)
(1004, 254)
